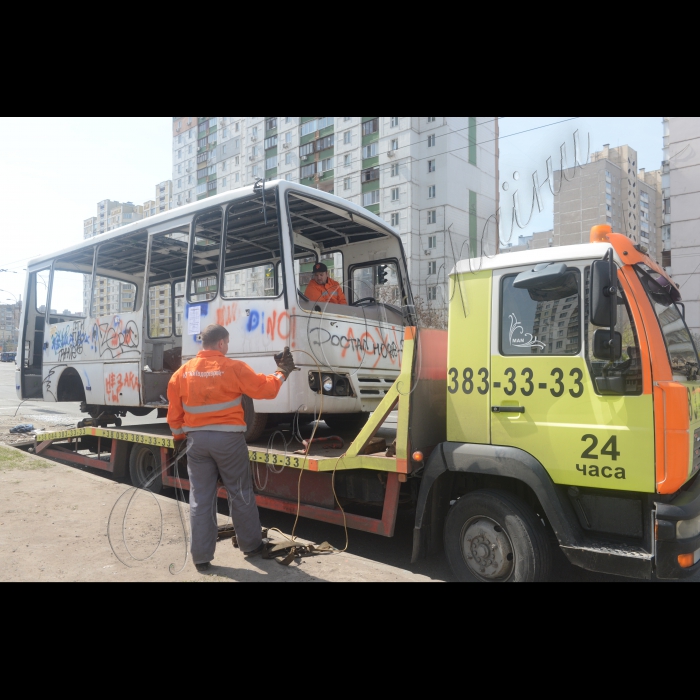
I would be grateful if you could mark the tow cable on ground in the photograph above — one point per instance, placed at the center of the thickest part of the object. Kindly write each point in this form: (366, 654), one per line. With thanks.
(276, 549)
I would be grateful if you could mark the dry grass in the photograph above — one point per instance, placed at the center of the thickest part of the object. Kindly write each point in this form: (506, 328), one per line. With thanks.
(14, 460)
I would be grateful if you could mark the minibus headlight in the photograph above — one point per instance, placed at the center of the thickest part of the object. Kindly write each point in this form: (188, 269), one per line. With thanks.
(328, 385)
(314, 381)
(341, 387)
(687, 529)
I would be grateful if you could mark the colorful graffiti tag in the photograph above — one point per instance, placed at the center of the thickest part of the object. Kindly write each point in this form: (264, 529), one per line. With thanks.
(112, 339)
(115, 338)
(67, 342)
(365, 345)
(116, 382)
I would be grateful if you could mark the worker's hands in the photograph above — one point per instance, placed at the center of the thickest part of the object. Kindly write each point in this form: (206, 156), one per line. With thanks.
(285, 362)
(180, 448)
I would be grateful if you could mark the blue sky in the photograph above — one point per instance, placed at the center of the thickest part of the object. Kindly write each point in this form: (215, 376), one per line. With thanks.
(528, 153)
(54, 170)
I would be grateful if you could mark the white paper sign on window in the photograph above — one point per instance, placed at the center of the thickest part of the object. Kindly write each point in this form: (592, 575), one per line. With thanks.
(194, 320)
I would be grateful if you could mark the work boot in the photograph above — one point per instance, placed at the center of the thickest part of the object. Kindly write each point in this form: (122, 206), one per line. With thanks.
(260, 550)
(203, 568)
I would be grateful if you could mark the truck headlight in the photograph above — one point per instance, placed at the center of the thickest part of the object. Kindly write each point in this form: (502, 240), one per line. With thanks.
(328, 384)
(687, 529)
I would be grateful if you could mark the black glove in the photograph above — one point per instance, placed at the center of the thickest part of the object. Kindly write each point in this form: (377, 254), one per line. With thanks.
(285, 362)
(180, 448)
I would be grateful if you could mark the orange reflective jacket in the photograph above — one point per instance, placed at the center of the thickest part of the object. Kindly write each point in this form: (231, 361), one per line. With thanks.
(331, 292)
(207, 394)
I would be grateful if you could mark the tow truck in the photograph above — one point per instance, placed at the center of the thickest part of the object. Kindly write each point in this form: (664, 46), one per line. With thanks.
(560, 410)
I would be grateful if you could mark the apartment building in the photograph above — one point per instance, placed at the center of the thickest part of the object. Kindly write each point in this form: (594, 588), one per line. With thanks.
(112, 297)
(433, 179)
(611, 189)
(9, 324)
(681, 210)
(163, 200)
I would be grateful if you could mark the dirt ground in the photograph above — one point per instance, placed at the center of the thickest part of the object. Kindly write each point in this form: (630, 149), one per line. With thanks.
(56, 523)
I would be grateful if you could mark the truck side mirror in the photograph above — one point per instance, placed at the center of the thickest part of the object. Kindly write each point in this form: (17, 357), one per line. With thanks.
(603, 311)
(601, 345)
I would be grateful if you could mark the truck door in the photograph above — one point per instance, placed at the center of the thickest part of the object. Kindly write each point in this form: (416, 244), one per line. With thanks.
(546, 397)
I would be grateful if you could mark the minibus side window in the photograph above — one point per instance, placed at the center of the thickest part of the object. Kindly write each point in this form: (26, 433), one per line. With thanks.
(166, 285)
(125, 257)
(206, 254)
(70, 285)
(41, 289)
(160, 311)
(379, 281)
(179, 307)
(253, 250)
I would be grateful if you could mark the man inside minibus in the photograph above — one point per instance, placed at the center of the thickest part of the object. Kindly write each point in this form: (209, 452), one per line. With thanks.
(324, 289)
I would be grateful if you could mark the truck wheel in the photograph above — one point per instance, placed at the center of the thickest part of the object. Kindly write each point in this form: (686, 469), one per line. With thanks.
(495, 537)
(256, 422)
(145, 468)
(346, 421)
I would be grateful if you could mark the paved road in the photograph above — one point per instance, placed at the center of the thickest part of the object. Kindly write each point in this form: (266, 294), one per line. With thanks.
(393, 552)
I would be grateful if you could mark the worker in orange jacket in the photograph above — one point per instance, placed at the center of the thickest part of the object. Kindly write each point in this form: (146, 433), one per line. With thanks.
(206, 410)
(323, 288)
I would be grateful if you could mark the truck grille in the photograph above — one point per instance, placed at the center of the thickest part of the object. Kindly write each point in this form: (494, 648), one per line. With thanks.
(375, 386)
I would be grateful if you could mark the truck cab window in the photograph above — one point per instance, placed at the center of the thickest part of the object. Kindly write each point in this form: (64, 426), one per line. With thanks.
(534, 323)
(629, 364)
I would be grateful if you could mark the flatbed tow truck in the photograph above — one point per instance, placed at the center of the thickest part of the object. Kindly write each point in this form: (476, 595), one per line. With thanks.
(147, 451)
(561, 409)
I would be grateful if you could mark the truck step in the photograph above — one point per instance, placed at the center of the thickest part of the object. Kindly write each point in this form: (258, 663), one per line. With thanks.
(626, 560)
(616, 550)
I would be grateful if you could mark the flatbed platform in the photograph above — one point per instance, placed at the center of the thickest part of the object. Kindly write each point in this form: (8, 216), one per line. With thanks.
(270, 449)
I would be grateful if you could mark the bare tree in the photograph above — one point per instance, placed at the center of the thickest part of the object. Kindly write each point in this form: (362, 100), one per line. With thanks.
(430, 315)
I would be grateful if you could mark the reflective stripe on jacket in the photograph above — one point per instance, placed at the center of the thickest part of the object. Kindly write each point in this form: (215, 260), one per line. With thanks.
(207, 394)
(331, 293)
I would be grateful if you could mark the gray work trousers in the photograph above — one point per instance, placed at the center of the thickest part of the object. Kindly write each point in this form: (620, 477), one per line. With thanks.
(210, 455)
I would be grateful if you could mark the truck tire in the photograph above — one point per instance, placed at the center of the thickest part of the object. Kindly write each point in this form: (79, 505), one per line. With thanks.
(495, 537)
(341, 422)
(256, 422)
(145, 468)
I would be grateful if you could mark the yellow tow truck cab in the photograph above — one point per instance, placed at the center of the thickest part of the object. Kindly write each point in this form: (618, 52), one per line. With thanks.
(573, 418)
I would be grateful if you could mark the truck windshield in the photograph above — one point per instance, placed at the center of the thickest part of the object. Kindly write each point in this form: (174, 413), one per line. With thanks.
(681, 347)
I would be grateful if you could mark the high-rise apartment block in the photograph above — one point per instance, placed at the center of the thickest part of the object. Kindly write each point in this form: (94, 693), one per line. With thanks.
(434, 179)
(112, 297)
(611, 189)
(681, 210)
(9, 326)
